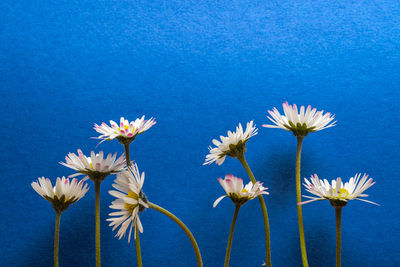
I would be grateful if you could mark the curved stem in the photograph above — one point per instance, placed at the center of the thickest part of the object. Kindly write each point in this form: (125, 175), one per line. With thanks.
(338, 215)
(56, 238)
(138, 250)
(299, 207)
(242, 160)
(97, 209)
(184, 228)
(229, 246)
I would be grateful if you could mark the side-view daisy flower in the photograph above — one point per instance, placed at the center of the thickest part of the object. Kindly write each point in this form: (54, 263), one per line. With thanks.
(233, 145)
(338, 195)
(96, 166)
(337, 192)
(237, 192)
(63, 194)
(126, 131)
(130, 201)
(300, 123)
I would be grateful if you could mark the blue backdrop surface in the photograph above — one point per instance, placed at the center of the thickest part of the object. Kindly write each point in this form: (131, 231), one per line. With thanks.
(200, 68)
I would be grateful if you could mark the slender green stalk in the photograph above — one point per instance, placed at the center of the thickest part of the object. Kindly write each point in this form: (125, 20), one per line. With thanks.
(338, 215)
(184, 228)
(242, 160)
(128, 162)
(138, 250)
(299, 207)
(56, 238)
(137, 239)
(229, 246)
(97, 208)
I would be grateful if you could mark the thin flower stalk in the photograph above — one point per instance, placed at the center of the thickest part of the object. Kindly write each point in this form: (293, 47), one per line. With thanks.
(338, 195)
(239, 194)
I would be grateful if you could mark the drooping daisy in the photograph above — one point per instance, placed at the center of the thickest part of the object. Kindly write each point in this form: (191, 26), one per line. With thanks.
(233, 145)
(126, 131)
(239, 193)
(337, 192)
(130, 201)
(96, 166)
(300, 123)
(63, 194)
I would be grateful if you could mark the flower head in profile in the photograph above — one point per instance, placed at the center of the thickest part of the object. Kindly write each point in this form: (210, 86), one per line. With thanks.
(233, 145)
(300, 123)
(129, 203)
(63, 194)
(237, 192)
(336, 192)
(96, 166)
(126, 131)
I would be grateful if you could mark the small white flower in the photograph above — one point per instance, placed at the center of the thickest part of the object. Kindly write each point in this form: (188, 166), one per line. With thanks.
(63, 194)
(130, 201)
(232, 145)
(300, 123)
(95, 166)
(336, 191)
(126, 131)
(239, 193)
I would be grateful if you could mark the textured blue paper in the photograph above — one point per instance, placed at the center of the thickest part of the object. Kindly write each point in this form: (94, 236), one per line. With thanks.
(200, 67)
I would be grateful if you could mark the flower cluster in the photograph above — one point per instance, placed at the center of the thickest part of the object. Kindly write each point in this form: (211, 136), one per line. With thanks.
(300, 123)
(233, 145)
(337, 192)
(130, 201)
(63, 194)
(237, 192)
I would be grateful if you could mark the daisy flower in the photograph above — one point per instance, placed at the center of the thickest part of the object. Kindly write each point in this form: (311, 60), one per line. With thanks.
(239, 193)
(130, 201)
(126, 131)
(96, 166)
(63, 194)
(233, 145)
(337, 192)
(300, 123)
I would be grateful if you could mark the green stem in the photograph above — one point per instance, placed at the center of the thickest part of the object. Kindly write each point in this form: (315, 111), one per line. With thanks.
(242, 160)
(97, 207)
(56, 238)
(137, 239)
(184, 228)
(338, 215)
(128, 162)
(299, 207)
(229, 246)
(138, 250)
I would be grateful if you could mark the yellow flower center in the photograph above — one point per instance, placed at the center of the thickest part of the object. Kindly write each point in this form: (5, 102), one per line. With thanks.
(342, 191)
(131, 207)
(244, 190)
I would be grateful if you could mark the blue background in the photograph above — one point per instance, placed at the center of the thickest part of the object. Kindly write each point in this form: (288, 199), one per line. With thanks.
(200, 68)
